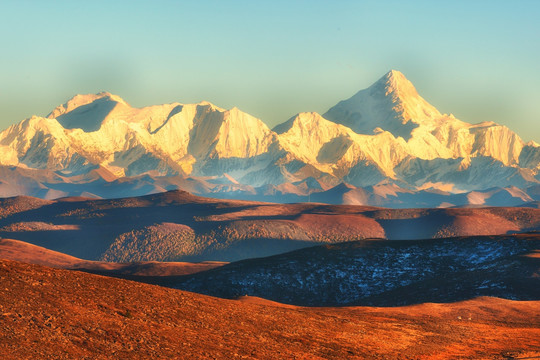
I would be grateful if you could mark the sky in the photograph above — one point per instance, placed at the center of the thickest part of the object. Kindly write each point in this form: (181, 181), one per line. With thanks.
(479, 60)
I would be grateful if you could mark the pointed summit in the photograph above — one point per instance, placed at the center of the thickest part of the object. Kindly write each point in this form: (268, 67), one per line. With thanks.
(395, 82)
(391, 103)
(395, 73)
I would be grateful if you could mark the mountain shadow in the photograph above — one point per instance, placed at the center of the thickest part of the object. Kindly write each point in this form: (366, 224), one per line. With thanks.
(383, 273)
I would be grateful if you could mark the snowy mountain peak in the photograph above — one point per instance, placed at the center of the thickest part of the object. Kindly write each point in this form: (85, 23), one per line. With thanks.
(211, 106)
(391, 103)
(305, 120)
(395, 82)
(311, 127)
(81, 100)
(87, 112)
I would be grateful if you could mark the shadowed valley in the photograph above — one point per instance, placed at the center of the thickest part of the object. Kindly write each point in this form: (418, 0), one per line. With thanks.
(178, 226)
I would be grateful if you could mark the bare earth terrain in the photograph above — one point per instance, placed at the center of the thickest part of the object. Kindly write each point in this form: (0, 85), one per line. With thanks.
(51, 313)
(470, 290)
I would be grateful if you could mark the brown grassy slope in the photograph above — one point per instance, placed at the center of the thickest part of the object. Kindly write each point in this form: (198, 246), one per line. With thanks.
(21, 251)
(49, 313)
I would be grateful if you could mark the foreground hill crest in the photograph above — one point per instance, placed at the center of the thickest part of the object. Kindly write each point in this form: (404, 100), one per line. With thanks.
(386, 132)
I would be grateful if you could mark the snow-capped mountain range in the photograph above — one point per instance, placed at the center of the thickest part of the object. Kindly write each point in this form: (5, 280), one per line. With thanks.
(385, 134)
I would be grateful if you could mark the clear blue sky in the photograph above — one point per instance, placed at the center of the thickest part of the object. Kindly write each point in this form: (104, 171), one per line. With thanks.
(479, 60)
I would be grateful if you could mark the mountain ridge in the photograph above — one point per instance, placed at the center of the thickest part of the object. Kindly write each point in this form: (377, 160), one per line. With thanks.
(386, 132)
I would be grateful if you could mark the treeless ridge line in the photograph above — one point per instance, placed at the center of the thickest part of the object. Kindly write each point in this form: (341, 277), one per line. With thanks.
(25, 252)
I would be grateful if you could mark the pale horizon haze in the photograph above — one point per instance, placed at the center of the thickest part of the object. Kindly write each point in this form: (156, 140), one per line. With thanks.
(478, 60)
